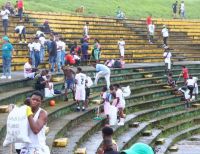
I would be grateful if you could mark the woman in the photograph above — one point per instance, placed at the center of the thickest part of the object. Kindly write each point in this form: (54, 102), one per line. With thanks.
(96, 50)
(7, 50)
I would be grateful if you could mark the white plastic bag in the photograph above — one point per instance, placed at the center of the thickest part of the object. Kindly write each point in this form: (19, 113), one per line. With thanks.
(17, 126)
(89, 82)
(126, 91)
(112, 115)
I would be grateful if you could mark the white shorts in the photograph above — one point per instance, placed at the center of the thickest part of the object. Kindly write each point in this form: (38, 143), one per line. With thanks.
(80, 94)
(122, 52)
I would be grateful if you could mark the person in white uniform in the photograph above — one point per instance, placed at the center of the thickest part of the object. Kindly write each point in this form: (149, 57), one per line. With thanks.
(167, 59)
(29, 72)
(165, 34)
(121, 45)
(102, 71)
(37, 118)
(80, 93)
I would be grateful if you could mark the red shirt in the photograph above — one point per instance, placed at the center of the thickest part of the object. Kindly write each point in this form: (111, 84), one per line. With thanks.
(149, 21)
(20, 4)
(70, 59)
(185, 73)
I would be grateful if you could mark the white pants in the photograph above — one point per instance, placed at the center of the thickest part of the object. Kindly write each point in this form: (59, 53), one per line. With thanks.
(103, 74)
(80, 94)
(30, 75)
(30, 150)
(121, 52)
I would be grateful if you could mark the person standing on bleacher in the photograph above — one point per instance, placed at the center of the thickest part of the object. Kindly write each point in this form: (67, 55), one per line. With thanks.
(4, 13)
(20, 7)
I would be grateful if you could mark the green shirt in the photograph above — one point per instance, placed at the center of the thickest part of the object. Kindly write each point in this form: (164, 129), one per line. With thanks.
(7, 49)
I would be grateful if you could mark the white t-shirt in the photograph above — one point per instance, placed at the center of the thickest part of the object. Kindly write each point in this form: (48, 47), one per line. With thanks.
(38, 33)
(80, 80)
(20, 28)
(167, 56)
(59, 45)
(30, 46)
(121, 45)
(86, 29)
(165, 32)
(36, 46)
(63, 45)
(119, 94)
(5, 13)
(151, 29)
(42, 40)
(76, 57)
(191, 82)
(27, 66)
(182, 7)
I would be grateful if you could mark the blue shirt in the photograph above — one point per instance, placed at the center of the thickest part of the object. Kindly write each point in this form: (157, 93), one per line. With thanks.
(101, 67)
(7, 49)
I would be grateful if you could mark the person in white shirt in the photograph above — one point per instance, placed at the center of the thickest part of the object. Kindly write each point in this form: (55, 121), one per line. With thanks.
(120, 104)
(167, 59)
(59, 51)
(39, 33)
(165, 34)
(151, 29)
(182, 9)
(42, 41)
(196, 88)
(102, 71)
(37, 118)
(63, 52)
(37, 49)
(190, 85)
(121, 45)
(4, 13)
(80, 93)
(21, 30)
(29, 72)
(31, 52)
(86, 29)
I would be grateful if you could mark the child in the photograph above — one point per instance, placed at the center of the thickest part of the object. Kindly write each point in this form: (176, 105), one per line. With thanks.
(121, 44)
(106, 101)
(119, 103)
(196, 88)
(88, 84)
(185, 73)
(167, 59)
(170, 81)
(165, 34)
(151, 29)
(186, 93)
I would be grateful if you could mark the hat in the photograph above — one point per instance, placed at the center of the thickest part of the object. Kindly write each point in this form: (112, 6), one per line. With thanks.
(139, 148)
(5, 38)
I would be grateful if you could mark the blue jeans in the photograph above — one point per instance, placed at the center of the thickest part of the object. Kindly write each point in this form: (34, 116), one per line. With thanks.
(63, 58)
(6, 66)
(37, 58)
(52, 61)
(32, 55)
(42, 53)
(58, 61)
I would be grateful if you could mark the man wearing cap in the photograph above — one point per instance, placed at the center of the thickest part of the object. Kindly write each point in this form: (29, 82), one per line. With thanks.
(139, 148)
(165, 34)
(7, 50)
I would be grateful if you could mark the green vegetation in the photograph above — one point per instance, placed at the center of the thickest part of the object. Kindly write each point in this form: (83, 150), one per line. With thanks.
(132, 8)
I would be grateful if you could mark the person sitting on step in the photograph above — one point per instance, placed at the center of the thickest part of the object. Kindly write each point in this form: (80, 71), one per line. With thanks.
(170, 80)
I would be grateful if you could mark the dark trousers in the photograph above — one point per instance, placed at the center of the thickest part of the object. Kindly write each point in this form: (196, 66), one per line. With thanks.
(23, 34)
(165, 40)
(5, 25)
(20, 13)
(37, 58)
(18, 151)
(191, 88)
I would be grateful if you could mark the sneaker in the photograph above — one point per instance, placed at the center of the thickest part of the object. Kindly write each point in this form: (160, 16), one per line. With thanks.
(9, 77)
(83, 108)
(25, 42)
(20, 42)
(3, 77)
(78, 108)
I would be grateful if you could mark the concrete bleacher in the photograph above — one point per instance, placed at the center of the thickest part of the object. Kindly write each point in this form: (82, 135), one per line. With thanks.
(155, 107)
(184, 36)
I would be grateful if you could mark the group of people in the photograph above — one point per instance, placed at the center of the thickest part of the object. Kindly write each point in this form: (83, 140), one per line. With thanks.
(180, 9)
